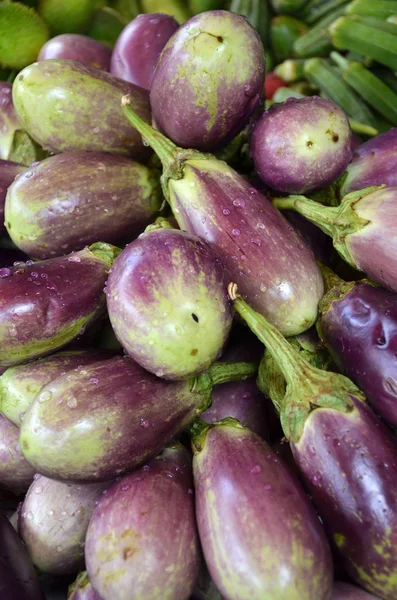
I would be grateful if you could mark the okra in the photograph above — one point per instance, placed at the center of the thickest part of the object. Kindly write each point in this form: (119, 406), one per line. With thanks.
(387, 76)
(287, 6)
(381, 9)
(257, 14)
(284, 31)
(317, 42)
(317, 11)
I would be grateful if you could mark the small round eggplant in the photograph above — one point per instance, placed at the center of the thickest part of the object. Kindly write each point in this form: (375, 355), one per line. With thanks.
(167, 302)
(16, 474)
(204, 89)
(345, 591)
(9, 122)
(139, 46)
(81, 589)
(110, 198)
(53, 522)
(301, 145)
(8, 172)
(142, 539)
(260, 536)
(66, 106)
(74, 46)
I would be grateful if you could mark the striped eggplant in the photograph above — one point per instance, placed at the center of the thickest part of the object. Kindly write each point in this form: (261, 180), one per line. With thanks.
(9, 122)
(74, 46)
(16, 474)
(8, 172)
(346, 591)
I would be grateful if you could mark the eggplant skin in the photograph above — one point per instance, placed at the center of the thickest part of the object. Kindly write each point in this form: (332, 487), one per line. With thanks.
(81, 589)
(16, 474)
(9, 122)
(349, 465)
(8, 172)
(74, 46)
(345, 591)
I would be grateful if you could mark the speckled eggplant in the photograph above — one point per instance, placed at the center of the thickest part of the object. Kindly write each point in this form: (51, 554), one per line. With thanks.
(53, 523)
(16, 474)
(109, 198)
(66, 106)
(346, 591)
(19, 385)
(45, 305)
(260, 536)
(139, 46)
(81, 589)
(374, 163)
(168, 305)
(74, 46)
(142, 539)
(9, 122)
(8, 172)
(205, 89)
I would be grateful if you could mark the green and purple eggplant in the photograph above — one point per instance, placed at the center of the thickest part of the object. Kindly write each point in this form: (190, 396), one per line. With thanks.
(68, 106)
(260, 536)
(346, 591)
(270, 261)
(20, 385)
(53, 522)
(167, 302)
(110, 198)
(103, 420)
(204, 89)
(74, 46)
(347, 458)
(8, 172)
(16, 474)
(142, 539)
(47, 304)
(9, 122)
(81, 589)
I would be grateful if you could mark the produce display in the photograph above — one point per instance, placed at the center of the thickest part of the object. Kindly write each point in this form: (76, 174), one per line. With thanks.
(198, 299)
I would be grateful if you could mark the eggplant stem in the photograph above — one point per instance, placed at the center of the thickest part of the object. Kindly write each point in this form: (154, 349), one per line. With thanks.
(233, 371)
(322, 216)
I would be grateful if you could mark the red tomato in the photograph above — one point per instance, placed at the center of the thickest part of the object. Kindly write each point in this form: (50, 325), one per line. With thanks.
(272, 83)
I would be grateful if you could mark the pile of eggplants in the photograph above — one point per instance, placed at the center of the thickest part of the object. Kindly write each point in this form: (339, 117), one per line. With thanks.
(192, 407)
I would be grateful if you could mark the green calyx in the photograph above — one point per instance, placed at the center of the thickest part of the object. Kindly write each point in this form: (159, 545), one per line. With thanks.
(159, 223)
(199, 429)
(106, 252)
(223, 372)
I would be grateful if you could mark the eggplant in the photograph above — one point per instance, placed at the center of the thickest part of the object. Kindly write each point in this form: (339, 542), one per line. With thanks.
(9, 122)
(81, 589)
(167, 302)
(301, 145)
(260, 536)
(20, 384)
(68, 106)
(18, 579)
(45, 305)
(53, 523)
(8, 172)
(110, 198)
(374, 163)
(317, 240)
(105, 419)
(139, 46)
(142, 539)
(276, 271)
(204, 91)
(346, 456)
(16, 474)
(74, 46)
(346, 591)
(363, 229)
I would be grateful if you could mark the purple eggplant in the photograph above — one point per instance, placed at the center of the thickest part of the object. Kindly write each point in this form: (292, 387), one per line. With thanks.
(103, 420)
(67, 106)
(260, 250)
(363, 229)
(204, 90)
(16, 474)
(347, 458)
(74, 46)
(259, 534)
(167, 302)
(18, 579)
(53, 522)
(20, 384)
(109, 198)
(345, 591)
(142, 539)
(9, 122)
(139, 46)
(81, 589)
(8, 172)
(374, 163)
(45, 305)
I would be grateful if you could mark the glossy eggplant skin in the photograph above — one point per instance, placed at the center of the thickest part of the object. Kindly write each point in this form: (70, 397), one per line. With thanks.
(16, 474)
(260, 536)
(104, 419)
(139, 46)
(345, 591)
(358, 324)
(87, 114)
(8, 171)
(142, 539)
(9, 122)
(349, 465)
(74, 46)
(109, 198)
(204, 89)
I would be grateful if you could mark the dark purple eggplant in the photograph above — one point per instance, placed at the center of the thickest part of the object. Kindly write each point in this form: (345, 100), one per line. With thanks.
(103, 420)
(204, 89)
(18, 579)
(45, 305)
(345, 591)
(139, 46)
(16, 474)
(167, 302)
(374, 163)
(9, 122)
(142, 539)
(81, 589)
(53, 523)
(8, 172)
(74, 46)
(347, 458)
(260, 536)
(260, 250)
(109, 198)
